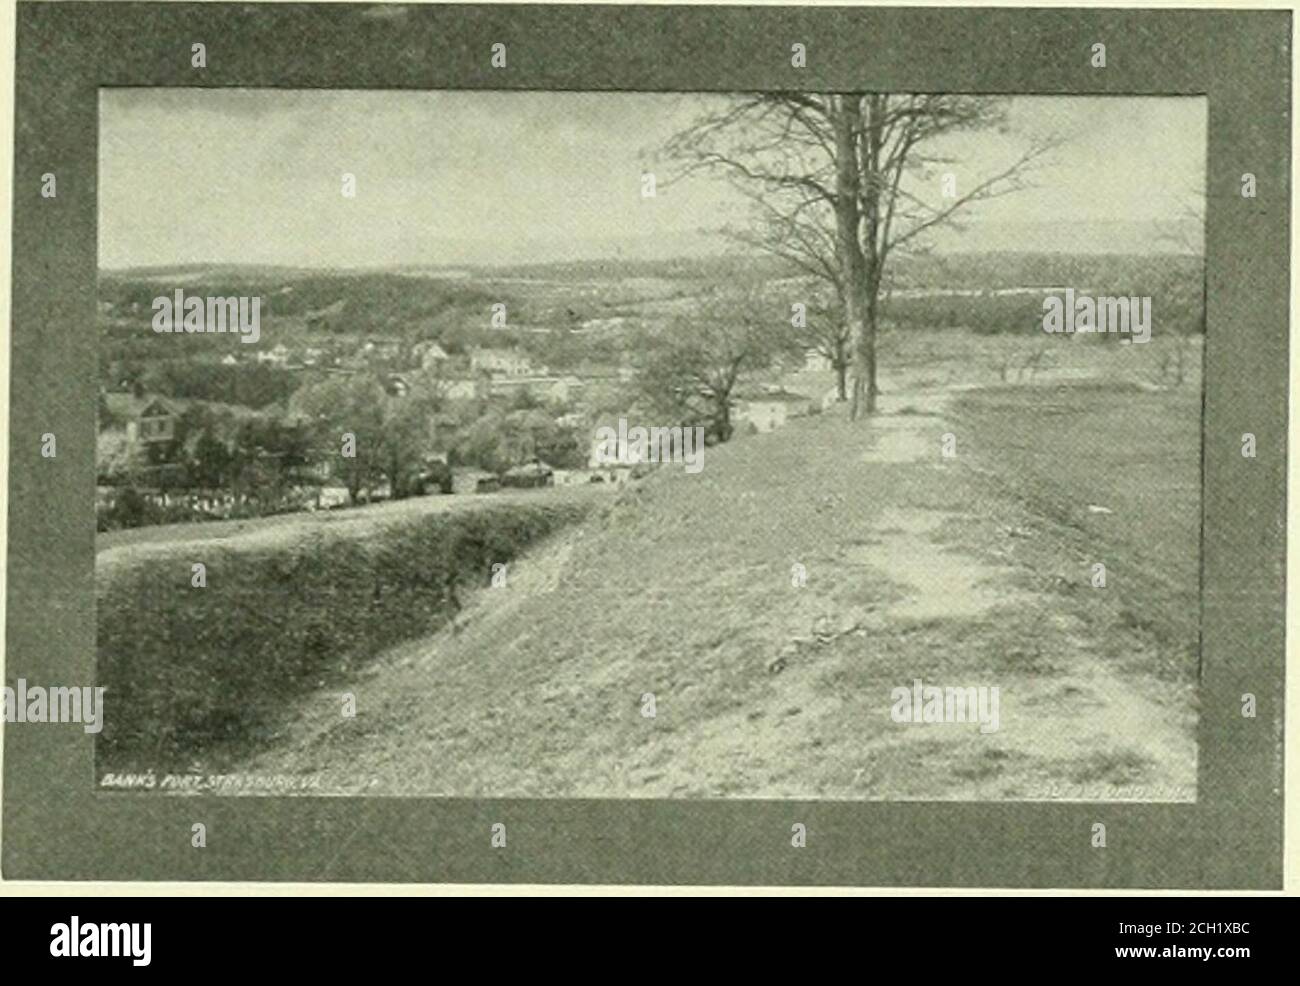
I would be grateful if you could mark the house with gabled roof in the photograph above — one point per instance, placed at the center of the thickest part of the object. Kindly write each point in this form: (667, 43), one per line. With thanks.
(150, 420)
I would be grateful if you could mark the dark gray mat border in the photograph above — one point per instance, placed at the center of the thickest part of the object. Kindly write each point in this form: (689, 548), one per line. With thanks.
(56, 826)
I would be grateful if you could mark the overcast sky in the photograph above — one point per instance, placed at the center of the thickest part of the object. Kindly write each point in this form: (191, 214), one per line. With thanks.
(255, 176)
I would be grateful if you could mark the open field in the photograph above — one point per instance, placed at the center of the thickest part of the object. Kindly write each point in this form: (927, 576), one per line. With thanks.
(1089, 450)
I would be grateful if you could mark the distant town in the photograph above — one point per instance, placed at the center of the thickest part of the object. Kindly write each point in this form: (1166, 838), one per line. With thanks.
(450, 406)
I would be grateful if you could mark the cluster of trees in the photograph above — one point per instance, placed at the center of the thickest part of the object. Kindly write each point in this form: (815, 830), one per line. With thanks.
(210, 449)
(262, 461)
(381, 436)
(502, 438)
(375, 435)
(362, 432)
(249, 384)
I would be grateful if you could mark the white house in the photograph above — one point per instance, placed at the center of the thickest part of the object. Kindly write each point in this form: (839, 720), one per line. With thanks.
(769, 411)
(332, 494)
(149, 420)
(278, 355)
(815, 362)
(570, 477)
(463, 388)
(501, 362)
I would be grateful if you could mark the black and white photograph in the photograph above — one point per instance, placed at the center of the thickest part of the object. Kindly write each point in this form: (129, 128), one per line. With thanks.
(611, 445)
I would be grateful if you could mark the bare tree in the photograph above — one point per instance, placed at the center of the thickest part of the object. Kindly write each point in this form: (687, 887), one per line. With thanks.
(693, 366)
(825, 173)
(824, 331)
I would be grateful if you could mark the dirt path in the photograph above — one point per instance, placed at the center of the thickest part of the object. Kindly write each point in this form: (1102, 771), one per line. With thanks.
(763, 688)
(1094, 702)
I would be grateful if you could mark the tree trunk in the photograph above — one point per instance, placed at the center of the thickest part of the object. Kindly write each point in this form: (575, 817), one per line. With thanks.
(872, 263)
(865, 391)
(865, 369)
(722, 421)
(848, 220)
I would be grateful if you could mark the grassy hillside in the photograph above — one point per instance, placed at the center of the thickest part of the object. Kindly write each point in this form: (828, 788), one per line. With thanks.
(1119, 480)
(917, 566)
(204, 673)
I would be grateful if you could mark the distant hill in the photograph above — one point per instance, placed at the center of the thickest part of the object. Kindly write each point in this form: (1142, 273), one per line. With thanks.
(1070, 237)
(1064, 236)
(319, 286)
